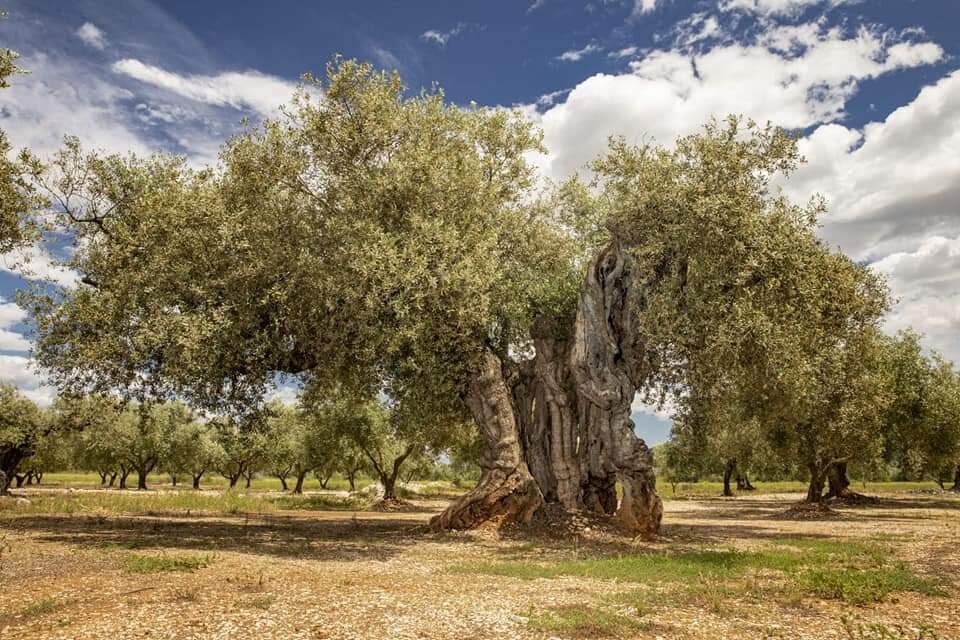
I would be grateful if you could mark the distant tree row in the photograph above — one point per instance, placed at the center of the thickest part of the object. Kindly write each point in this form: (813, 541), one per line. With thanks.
(890, 409)
(117, 440)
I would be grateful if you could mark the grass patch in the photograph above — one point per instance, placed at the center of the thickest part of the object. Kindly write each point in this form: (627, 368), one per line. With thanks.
(578, 621)
(116, 502)
(863, 586)
(322, 503)
(880, 631)
(42, 607)
(259, 602)
(136, 563)
(855, 571)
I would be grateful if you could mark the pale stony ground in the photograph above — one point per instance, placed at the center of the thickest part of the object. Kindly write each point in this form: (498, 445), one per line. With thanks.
(336, 575)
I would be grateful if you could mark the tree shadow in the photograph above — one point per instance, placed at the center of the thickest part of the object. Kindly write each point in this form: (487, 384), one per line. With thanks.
(334, 537)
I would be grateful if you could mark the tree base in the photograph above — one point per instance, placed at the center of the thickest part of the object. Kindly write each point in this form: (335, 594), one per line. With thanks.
(494, 501)
(394, 505)
(852, 497)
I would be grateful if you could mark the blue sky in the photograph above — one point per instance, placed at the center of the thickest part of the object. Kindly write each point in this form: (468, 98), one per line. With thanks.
(872, 86)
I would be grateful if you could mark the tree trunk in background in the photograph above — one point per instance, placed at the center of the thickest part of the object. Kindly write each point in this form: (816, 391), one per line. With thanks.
(173, 479)
(838, 484)
(956, 479)
(113, 479)
(196, 479)
(506, 490)
(18, 479)
(815, 489)
(124, 472)
(103, 477)
(141, 481)
(743, 482)
(38, 477)
(298, 488)
(10, 458)
(283, 482)
(604, 351)
(352, 479)
(728, 471)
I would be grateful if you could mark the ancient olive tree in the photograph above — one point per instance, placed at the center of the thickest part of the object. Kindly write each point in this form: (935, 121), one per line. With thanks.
(377, 244)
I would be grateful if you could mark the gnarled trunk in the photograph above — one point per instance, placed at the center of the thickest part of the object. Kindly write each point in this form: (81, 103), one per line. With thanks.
(196, 479)
(506, 490)
(604, 361)
(956, 479)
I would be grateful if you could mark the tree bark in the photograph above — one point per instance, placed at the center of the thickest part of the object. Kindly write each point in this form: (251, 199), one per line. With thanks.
(196, 479)
(815, 488)
(173, 479)
(38, 476)
(283, 482)
(956, 479)
(743, 482)
(605, 363)
(298, 487)
(113, 479)
(103, 477)
(10, 459)
(506, 491)
(728, 470)
(124, 472)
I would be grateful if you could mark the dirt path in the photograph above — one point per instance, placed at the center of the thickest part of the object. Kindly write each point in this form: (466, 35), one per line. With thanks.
(338, 575)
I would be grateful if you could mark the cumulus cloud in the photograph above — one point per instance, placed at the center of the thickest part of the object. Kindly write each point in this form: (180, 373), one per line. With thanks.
(892, 183)
(796, 76)
(11, 315)
(92, 35)
(35, 263)
(575, 55)
(927, 281)
(238, 89)
(19, 372)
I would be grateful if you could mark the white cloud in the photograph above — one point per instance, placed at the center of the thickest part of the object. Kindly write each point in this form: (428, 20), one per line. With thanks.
(35, 263)
(893, 183)
(18, 371)
(626, 52)
(794, 76)
(238, 89)
(10, 315)
(92, 35)
(575, 55)
(442, 37)
(777, 7)
(641, 7)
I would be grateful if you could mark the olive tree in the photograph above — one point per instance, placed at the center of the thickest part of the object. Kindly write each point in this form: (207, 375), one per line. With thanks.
(389, 245)
(22, 425)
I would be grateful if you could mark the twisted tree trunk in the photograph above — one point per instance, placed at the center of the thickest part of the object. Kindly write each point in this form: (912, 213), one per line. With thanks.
(605, 363)
(956, 479)
(506, 491)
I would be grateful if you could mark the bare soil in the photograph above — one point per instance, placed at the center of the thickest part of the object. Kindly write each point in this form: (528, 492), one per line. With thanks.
(338, 575)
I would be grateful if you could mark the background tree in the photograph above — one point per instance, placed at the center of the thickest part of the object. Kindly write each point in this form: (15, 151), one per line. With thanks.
(244, 445)
(193, 449)
(22, 425)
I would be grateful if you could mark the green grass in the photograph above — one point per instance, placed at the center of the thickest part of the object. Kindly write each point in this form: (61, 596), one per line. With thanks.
(855, 571)
(136, 563)
(322, 503)
(42, 607)
(140, 503)
(579, 621)
(880, 631)
(863, 586)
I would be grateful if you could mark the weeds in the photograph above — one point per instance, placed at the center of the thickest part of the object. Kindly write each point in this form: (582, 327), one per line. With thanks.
(153, 564)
